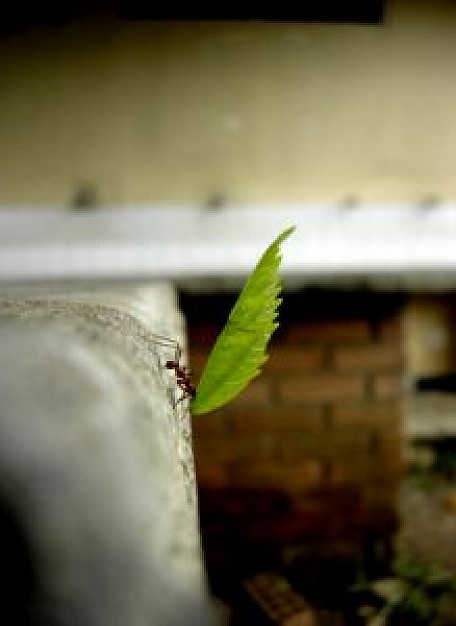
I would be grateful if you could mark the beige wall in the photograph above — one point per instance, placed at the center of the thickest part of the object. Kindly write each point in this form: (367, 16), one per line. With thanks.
(260, 111)
(430, 337)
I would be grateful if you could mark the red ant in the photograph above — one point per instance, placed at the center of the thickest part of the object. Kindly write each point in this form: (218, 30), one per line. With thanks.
(182, 373)
(182, 378)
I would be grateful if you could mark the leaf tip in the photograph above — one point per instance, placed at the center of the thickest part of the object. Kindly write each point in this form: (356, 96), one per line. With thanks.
(281, 238)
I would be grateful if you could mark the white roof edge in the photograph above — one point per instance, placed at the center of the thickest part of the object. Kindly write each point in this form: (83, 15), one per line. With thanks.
(403, 244)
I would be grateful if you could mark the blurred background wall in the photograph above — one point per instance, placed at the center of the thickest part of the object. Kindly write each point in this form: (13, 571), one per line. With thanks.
(149, 112)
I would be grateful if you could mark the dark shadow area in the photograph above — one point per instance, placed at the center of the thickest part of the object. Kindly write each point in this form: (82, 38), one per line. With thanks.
(49, 12)
(18, 576)
(318, 552)
(306, 304)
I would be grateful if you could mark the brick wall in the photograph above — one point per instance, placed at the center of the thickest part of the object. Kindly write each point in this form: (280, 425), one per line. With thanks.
(311, 451)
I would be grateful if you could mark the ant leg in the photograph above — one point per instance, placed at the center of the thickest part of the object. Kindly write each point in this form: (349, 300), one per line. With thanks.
(181, 372)
(168, 342)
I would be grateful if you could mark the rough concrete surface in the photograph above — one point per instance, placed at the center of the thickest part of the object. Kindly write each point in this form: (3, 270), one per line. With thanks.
(98, 512)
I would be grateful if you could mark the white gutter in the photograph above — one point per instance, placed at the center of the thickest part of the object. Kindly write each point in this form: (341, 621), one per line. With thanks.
(384, 244)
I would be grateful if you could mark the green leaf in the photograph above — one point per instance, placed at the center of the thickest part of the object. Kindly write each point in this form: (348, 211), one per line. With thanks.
(240, 349)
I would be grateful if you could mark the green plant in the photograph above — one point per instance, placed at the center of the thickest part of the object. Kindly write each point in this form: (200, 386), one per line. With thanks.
(416, 595)
(240, 349)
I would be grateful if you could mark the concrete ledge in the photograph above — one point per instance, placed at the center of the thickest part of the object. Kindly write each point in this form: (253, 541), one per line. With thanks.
(97, 491)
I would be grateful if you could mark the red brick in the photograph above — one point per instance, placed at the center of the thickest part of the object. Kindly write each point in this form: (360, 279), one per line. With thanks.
(371, 357)
(212, 451)
(337, 474)
(306, 473)
(324, 387)
(295, 446)
(392, 328)
(392, 451)
(216, 422)
(255, 475)
(381, 474)
(235, 449)
(257, 392)
(388, 385)
(294, 359)
(276, 419)
(366, 413)
(363, 466)
(350, 445)
(330, 331)
(212, 475)
(293, 476)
